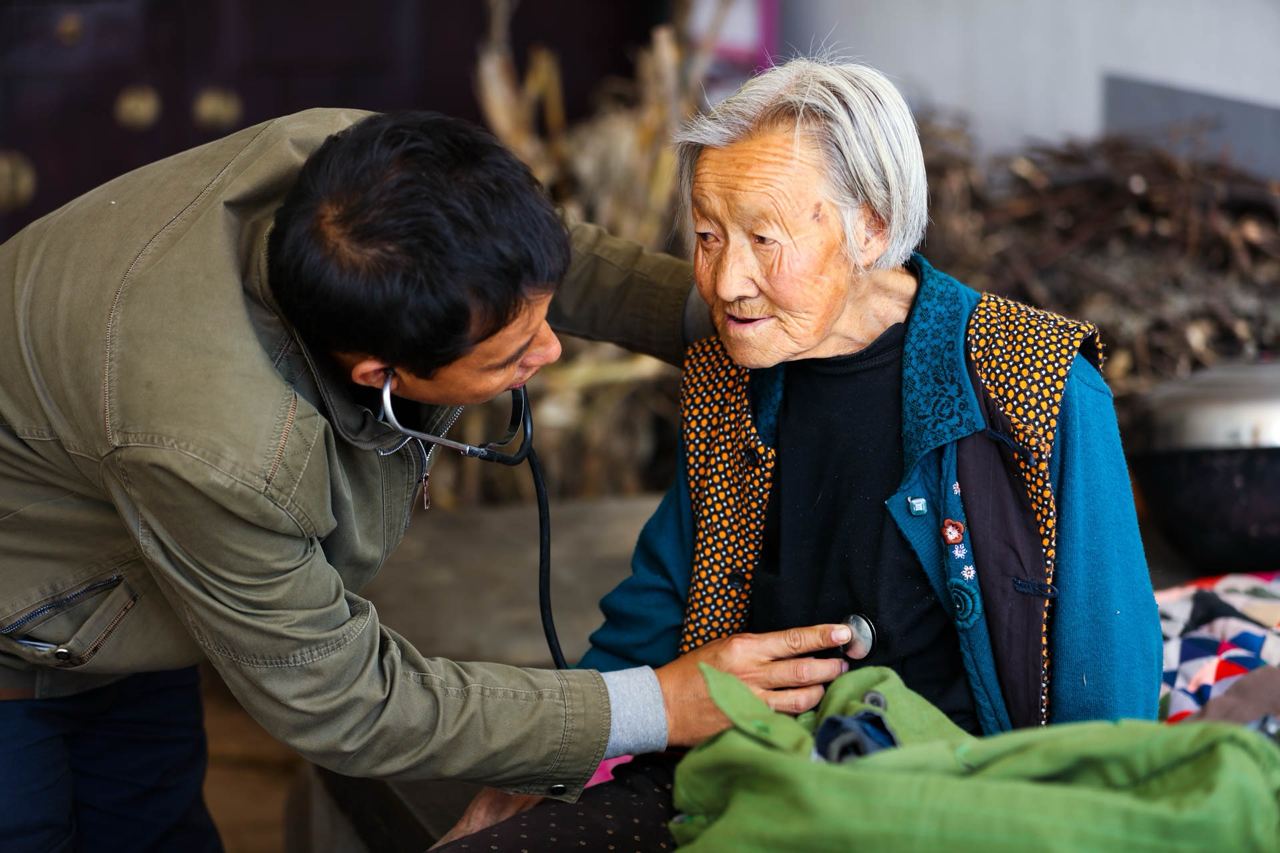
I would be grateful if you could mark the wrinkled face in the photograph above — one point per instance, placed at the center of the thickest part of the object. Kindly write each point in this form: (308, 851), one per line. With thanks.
(769, 256)
(506, 359)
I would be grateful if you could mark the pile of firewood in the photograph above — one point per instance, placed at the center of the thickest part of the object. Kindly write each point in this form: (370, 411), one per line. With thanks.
(1176, 259)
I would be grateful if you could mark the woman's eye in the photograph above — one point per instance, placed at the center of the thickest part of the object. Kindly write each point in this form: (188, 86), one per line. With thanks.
(761, 240)
(704, 236)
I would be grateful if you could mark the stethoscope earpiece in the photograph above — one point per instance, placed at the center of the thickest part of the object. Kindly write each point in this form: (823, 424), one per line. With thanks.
(521, 423)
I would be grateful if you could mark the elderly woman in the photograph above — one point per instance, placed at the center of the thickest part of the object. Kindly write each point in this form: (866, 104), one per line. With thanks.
(866, 437)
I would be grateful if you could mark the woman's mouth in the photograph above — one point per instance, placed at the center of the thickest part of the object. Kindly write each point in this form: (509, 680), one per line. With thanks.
(744, 324)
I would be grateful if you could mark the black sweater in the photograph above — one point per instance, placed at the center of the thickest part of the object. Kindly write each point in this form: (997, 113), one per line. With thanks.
(830, 546)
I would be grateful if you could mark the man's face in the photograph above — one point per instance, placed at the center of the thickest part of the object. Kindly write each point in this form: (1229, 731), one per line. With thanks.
(506, 359)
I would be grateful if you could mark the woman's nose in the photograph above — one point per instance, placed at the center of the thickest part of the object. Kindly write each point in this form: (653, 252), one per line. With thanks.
(735, 274)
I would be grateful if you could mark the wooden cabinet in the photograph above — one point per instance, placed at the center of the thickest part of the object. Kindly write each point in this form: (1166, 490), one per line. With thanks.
(90, 90)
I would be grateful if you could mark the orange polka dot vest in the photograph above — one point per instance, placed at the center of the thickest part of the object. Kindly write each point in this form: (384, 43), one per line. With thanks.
(730, 474)
(1021, 355)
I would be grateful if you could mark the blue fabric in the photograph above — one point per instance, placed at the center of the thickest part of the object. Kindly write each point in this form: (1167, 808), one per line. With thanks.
(842, 738)
(643, 615)
(119, 768)
(965, 593)
(939, 404)
(766, 401)
(1105, 630)
(1106, 640)
(932, 479)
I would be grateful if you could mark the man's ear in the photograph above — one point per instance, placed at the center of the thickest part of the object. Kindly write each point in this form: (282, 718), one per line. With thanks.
(367, 370)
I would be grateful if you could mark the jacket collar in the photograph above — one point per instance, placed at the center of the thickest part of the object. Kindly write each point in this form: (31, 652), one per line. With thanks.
(939, 405)
(354, 422)
(938, 402)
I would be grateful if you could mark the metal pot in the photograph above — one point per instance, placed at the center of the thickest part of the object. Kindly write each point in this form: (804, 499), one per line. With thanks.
(1207, 461)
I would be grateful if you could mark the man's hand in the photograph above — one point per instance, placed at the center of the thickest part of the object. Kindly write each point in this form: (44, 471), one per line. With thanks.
(489, 807)
(770, 664)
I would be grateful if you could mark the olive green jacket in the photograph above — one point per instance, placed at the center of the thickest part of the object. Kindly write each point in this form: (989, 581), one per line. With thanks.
(180, 478)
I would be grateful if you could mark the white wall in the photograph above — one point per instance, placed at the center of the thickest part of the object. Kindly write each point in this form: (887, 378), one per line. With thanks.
(1024, 69)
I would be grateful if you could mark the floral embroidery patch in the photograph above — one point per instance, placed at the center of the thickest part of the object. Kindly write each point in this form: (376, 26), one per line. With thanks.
(952, 532)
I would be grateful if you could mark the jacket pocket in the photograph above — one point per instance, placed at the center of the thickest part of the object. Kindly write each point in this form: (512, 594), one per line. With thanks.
(68, 629)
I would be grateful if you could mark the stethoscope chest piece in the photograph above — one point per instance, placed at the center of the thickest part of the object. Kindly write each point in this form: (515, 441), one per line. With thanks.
(863, 639)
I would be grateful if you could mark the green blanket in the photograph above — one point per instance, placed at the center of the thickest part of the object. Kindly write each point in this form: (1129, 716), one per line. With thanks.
(1084, 786)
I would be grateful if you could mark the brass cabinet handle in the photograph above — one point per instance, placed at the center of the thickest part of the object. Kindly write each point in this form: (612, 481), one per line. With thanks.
(216, 108)
(138, 106)
(69, 29)
(17, 180)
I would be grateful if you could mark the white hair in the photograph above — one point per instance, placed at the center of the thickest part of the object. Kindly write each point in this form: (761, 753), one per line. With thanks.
(859, 121)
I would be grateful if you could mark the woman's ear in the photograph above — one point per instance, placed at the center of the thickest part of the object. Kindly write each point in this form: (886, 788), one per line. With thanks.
(871, 238)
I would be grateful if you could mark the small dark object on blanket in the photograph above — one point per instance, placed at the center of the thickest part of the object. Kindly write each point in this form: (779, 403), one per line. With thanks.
(1268, 725)
(843, 738)
(1254, 697)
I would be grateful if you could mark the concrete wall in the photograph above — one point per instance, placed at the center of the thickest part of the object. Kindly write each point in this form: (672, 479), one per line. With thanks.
(1037, 68)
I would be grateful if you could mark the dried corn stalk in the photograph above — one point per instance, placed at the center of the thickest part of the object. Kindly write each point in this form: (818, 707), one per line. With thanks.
(606, 419)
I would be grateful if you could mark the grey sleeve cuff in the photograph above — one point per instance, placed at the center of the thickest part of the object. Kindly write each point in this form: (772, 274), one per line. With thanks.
(637, 715)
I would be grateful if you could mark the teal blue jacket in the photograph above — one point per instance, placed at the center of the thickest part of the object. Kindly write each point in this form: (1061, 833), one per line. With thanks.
(1104, 634)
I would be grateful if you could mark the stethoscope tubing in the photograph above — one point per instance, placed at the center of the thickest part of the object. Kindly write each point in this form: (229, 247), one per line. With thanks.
(521, 423)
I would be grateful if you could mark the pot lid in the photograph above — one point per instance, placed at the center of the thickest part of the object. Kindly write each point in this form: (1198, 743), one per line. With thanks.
(1225, 406)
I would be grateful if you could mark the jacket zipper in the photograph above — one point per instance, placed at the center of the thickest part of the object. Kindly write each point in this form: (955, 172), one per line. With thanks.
(107, 631)
(64, 601)
(429, 455)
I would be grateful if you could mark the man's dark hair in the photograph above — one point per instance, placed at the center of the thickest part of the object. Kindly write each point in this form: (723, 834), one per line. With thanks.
(411, 237)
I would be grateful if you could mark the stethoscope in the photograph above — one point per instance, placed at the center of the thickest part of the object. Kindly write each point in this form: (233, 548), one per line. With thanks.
(521, 424)
(862, 630)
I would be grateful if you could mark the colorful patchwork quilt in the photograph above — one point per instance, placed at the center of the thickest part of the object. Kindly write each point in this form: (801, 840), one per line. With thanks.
(1216, 630)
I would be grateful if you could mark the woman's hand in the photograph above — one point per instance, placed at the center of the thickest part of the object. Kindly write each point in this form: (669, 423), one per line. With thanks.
(489, 807)
(770, 664)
